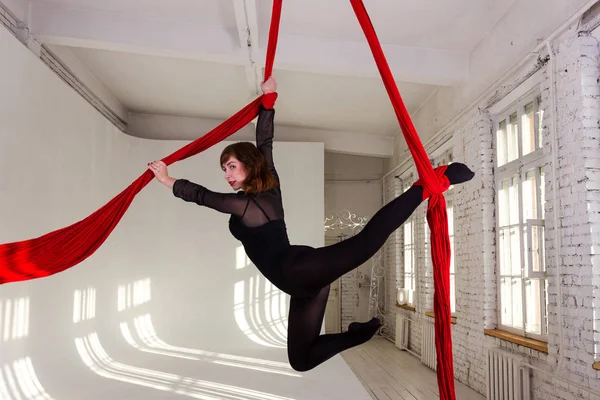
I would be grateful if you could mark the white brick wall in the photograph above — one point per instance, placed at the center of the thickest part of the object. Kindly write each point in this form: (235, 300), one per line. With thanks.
(578, 133)
(578, 126)
(474, 257)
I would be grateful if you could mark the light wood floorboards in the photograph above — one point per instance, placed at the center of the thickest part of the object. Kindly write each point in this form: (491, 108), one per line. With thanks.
(391, 374)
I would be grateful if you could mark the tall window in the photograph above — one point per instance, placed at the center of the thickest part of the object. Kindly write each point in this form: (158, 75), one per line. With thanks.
(408, 250)
(520, 219)
(444, 159)
(452, 272)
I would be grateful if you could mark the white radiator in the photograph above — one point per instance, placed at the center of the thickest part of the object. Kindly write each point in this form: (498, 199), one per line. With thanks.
(428, 354)
(402, 331)
(507, 380)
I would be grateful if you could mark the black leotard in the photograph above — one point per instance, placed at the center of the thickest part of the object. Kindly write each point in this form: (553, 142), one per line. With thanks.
(257, 220)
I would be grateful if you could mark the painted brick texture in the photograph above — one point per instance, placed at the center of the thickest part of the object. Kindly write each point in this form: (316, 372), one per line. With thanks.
(578, 152)
(577, 74)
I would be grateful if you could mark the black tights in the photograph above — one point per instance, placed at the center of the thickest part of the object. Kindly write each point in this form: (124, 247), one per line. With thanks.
(314, 270)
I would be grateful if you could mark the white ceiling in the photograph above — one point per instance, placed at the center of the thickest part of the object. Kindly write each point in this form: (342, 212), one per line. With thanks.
(185, 57)
(172, 86)
(453, 25)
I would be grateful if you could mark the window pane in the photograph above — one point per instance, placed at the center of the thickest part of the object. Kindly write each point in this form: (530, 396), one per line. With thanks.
(503, 211)
(528, 125)
(537, 250)
(544, 286)
(517, 300)
(540, 116)
(451, 254)
(506, 301)
(534, 306)
(542, 189)
(525, 249)
(530, 202)
(513, 201)
(515, 251)
(408, 282)
(452, 294)
(504, 251)
(501, 145)
(408, 254)
(408, 233)
(451, 235)
(513, 138)
(408, 265)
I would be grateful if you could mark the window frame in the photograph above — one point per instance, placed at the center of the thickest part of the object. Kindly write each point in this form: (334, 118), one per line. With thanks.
(534, 160)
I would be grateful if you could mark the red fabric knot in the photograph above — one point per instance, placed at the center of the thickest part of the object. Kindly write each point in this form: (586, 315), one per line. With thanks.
(438, 186)
(268, 100)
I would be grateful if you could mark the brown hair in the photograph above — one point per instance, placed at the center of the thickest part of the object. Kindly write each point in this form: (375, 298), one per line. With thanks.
(258, 178)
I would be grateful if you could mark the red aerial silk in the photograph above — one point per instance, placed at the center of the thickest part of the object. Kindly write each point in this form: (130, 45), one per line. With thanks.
(67, 247)
(434, 184)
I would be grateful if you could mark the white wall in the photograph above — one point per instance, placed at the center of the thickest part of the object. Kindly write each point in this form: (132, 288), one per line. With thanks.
(60, 161)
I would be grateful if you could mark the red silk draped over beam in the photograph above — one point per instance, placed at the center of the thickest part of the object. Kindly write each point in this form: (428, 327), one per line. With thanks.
(64, 248)
(434, 183)
(67, 247)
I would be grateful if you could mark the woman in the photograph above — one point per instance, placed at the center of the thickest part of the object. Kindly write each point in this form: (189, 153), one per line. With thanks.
(303, 272)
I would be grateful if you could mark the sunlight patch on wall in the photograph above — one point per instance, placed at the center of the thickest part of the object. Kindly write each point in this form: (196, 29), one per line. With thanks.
(95, 357)
(134, 294)
(260, 314)
(14, 319)
(148, 341)
(21, 382)
(84, 305)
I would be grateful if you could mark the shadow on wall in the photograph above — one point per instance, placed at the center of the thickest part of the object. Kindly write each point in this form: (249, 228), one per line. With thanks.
(258, 308)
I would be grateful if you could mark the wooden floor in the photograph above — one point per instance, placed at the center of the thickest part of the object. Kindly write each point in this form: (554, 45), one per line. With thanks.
(390, 374)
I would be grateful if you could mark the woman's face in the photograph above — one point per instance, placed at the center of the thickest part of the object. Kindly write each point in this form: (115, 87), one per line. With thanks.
(235, 173)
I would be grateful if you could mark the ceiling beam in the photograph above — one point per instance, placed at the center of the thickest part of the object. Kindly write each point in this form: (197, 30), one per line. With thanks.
(246, 17)
(58, 25)
(78, 69)
(165, 127)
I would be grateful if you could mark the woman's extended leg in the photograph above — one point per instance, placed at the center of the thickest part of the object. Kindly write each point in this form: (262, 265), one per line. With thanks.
(313, 269)
(307, 348)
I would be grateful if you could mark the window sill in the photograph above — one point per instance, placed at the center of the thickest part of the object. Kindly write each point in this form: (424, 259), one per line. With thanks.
(406, 307)
(517, 339)
(596, 366)
(432, 315)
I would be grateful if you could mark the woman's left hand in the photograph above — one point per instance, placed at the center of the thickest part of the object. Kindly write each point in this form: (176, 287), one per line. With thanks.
(269, 86)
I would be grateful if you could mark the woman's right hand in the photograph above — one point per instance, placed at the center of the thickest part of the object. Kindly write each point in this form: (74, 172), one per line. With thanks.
(159, 168)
